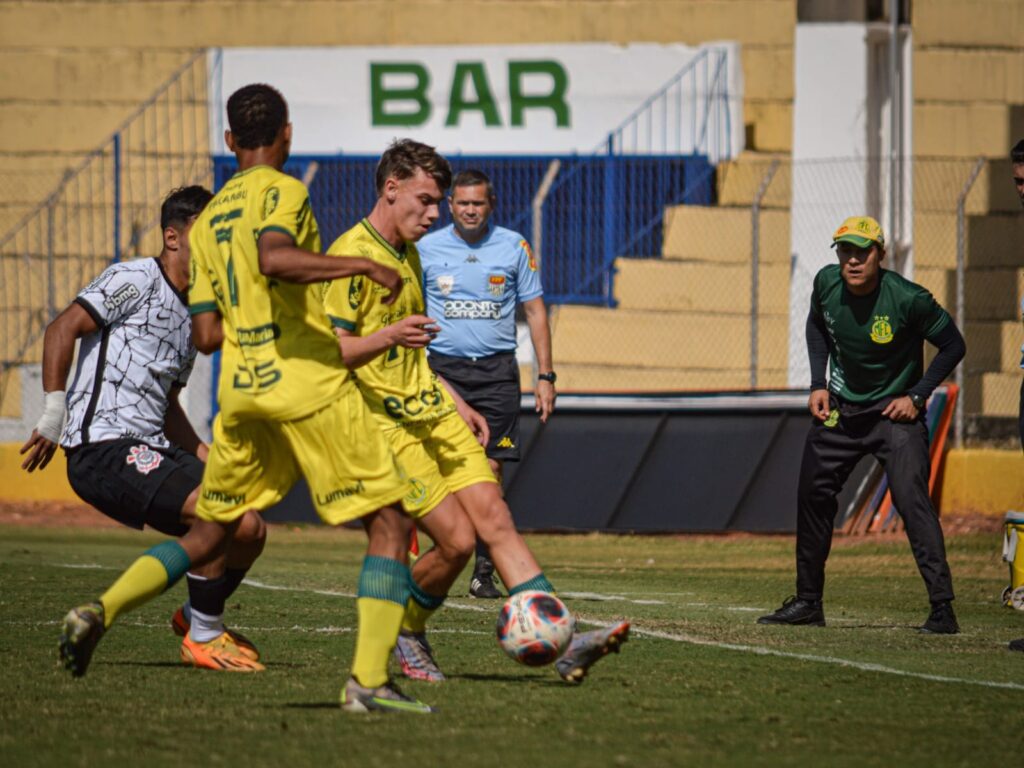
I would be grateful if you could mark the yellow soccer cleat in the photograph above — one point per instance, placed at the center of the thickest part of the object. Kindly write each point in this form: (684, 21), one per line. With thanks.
(220, 654)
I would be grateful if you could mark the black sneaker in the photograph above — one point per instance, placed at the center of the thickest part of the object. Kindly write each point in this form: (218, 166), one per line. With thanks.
(481, 585)
(1017, 645)
(941, 621)
(797, 611)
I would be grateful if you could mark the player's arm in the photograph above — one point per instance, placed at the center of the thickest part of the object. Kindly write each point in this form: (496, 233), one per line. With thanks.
(412, 332)
(817, 355)
(951, 350)
(178, 428)
(58, 352)
(280, 258)
(207, 331)
(540, 335)
(473, 418)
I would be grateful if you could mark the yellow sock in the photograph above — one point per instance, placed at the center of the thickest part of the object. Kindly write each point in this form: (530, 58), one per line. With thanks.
(379, 622)
(416, 617)
(145, 579)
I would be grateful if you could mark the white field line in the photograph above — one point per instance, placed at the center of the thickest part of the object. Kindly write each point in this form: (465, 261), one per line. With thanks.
(862, 666)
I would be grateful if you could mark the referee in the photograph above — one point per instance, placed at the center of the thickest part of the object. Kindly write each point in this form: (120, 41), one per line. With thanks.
(474, 275)
(869, 324)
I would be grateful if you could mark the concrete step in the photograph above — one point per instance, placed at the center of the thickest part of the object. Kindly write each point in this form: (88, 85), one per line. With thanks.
(938, 184)
(683, 340)
(994, 346)
(739, 180)
(969, 74)
(723, 235)
(965, 129)
(992, 394)
(992, 240)
(989, 294)
(661, 284)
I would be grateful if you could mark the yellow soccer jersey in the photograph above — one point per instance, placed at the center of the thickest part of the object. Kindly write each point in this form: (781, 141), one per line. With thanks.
(280, 358)
(398, 385)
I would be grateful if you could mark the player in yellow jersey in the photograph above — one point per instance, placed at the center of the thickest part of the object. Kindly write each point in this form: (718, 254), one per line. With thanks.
(385, 347)
(287, 406)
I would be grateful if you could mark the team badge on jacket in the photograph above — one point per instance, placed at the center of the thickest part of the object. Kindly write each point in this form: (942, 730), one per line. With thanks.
(144, 458)
(881, 331)
(445, 283)
(497, 285)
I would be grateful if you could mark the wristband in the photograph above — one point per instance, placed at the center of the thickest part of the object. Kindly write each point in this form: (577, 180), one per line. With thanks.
(51, 423)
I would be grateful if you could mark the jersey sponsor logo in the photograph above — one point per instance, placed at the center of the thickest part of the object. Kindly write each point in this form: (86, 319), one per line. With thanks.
(464, 309)
(120, 296)
(881, 331)
(531, 261)
(506, 442)
(144, 458)
(255, 337)
(413, 405)
(496, 285)
(270, 201)
(341, 493)
(223, 497)
(445, 284)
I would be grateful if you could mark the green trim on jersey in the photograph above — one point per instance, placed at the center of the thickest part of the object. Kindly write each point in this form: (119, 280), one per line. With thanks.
(203, 306)
(381, 241)
(876, 342)
(275, 228)
(338, 322)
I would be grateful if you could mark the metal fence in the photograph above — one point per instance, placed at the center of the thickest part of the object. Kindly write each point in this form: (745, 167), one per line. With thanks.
(104, 210)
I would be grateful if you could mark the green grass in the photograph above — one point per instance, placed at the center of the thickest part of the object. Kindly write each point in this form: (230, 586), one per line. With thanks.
(699, 683)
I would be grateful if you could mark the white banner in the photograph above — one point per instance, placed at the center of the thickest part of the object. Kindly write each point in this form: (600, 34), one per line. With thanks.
(514, 99)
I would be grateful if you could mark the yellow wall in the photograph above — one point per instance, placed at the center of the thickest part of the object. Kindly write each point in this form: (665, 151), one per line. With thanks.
(50, 484)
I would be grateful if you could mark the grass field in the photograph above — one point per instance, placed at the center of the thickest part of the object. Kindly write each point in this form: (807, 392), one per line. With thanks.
(699, 683)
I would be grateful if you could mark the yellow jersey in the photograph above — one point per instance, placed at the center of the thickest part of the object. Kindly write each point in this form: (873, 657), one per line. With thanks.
(280, 359)
(398, 385)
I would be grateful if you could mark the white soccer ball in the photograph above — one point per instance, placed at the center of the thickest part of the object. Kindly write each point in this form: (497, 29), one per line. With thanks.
(534, 628)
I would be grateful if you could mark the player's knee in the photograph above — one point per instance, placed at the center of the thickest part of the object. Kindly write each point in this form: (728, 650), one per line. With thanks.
(252, 530)
(495, 521)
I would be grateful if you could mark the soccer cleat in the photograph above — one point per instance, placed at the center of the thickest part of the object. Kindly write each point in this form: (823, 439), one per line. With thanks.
(797, 612)
(481, 586)
(386, 698)
(586, 648)
(1017, 645)
(83, 628)
(181, 626)
(220, 654)
(941, 620)
(416, 658)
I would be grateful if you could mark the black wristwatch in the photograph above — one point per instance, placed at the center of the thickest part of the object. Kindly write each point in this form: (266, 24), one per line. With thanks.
(918, 401)
(549, 377)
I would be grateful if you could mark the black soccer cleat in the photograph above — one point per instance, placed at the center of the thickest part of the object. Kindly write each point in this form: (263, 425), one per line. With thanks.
(797, 612)
(1017, 645)
(941, 621)
(481, 586)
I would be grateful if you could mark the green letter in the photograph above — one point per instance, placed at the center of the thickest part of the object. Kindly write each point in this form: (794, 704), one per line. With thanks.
(380, 95)
(553, 100)
(484, 101)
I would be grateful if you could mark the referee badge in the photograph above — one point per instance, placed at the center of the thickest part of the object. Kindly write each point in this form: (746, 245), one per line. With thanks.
(144, 458)
(445, 283)
(496, 285)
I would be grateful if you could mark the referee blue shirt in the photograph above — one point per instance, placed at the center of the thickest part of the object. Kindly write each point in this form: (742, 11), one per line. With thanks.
(472, 290)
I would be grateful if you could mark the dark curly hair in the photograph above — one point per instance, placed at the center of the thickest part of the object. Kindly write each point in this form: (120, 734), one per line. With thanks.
(256, 115)
(182, 204)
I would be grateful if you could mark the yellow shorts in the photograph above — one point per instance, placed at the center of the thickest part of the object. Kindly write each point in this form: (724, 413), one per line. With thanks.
(340, 449)
(440, 457)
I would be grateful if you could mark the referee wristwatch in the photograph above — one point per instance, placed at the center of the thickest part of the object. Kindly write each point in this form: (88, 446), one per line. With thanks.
(549, 377)
(918, 401)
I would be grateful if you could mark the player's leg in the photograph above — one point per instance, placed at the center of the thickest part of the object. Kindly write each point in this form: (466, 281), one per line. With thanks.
(353, 474)
(905, 457)
(481, 583)
(830, 454)
(159, 568)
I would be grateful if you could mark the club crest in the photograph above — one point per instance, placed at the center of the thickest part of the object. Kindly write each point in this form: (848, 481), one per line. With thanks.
(496, 285)
(144, 458)
(881, 331)
(445, 284)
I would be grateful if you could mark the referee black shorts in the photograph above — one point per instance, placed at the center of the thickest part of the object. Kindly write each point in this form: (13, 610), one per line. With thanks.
(134, 483)
(491, 386)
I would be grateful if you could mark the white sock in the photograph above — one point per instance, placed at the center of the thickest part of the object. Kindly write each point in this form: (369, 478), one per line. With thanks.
(205, 627)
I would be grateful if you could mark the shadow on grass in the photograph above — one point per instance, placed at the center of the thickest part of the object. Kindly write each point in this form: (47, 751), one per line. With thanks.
(311, 705)
(511, 678)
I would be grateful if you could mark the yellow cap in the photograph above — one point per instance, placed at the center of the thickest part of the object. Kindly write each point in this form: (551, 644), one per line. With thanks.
(862, 231)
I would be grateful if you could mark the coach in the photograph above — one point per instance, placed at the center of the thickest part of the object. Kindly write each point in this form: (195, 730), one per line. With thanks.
(474, 275)
(869, 325)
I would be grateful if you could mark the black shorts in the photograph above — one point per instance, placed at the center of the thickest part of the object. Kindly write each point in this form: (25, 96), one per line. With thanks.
(136, 484)
(491, 386)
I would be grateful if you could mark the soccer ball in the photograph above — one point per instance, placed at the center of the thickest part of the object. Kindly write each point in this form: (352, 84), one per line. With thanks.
(534, 628)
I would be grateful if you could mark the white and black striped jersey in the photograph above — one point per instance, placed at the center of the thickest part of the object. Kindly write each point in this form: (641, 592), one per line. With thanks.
(127, 368)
